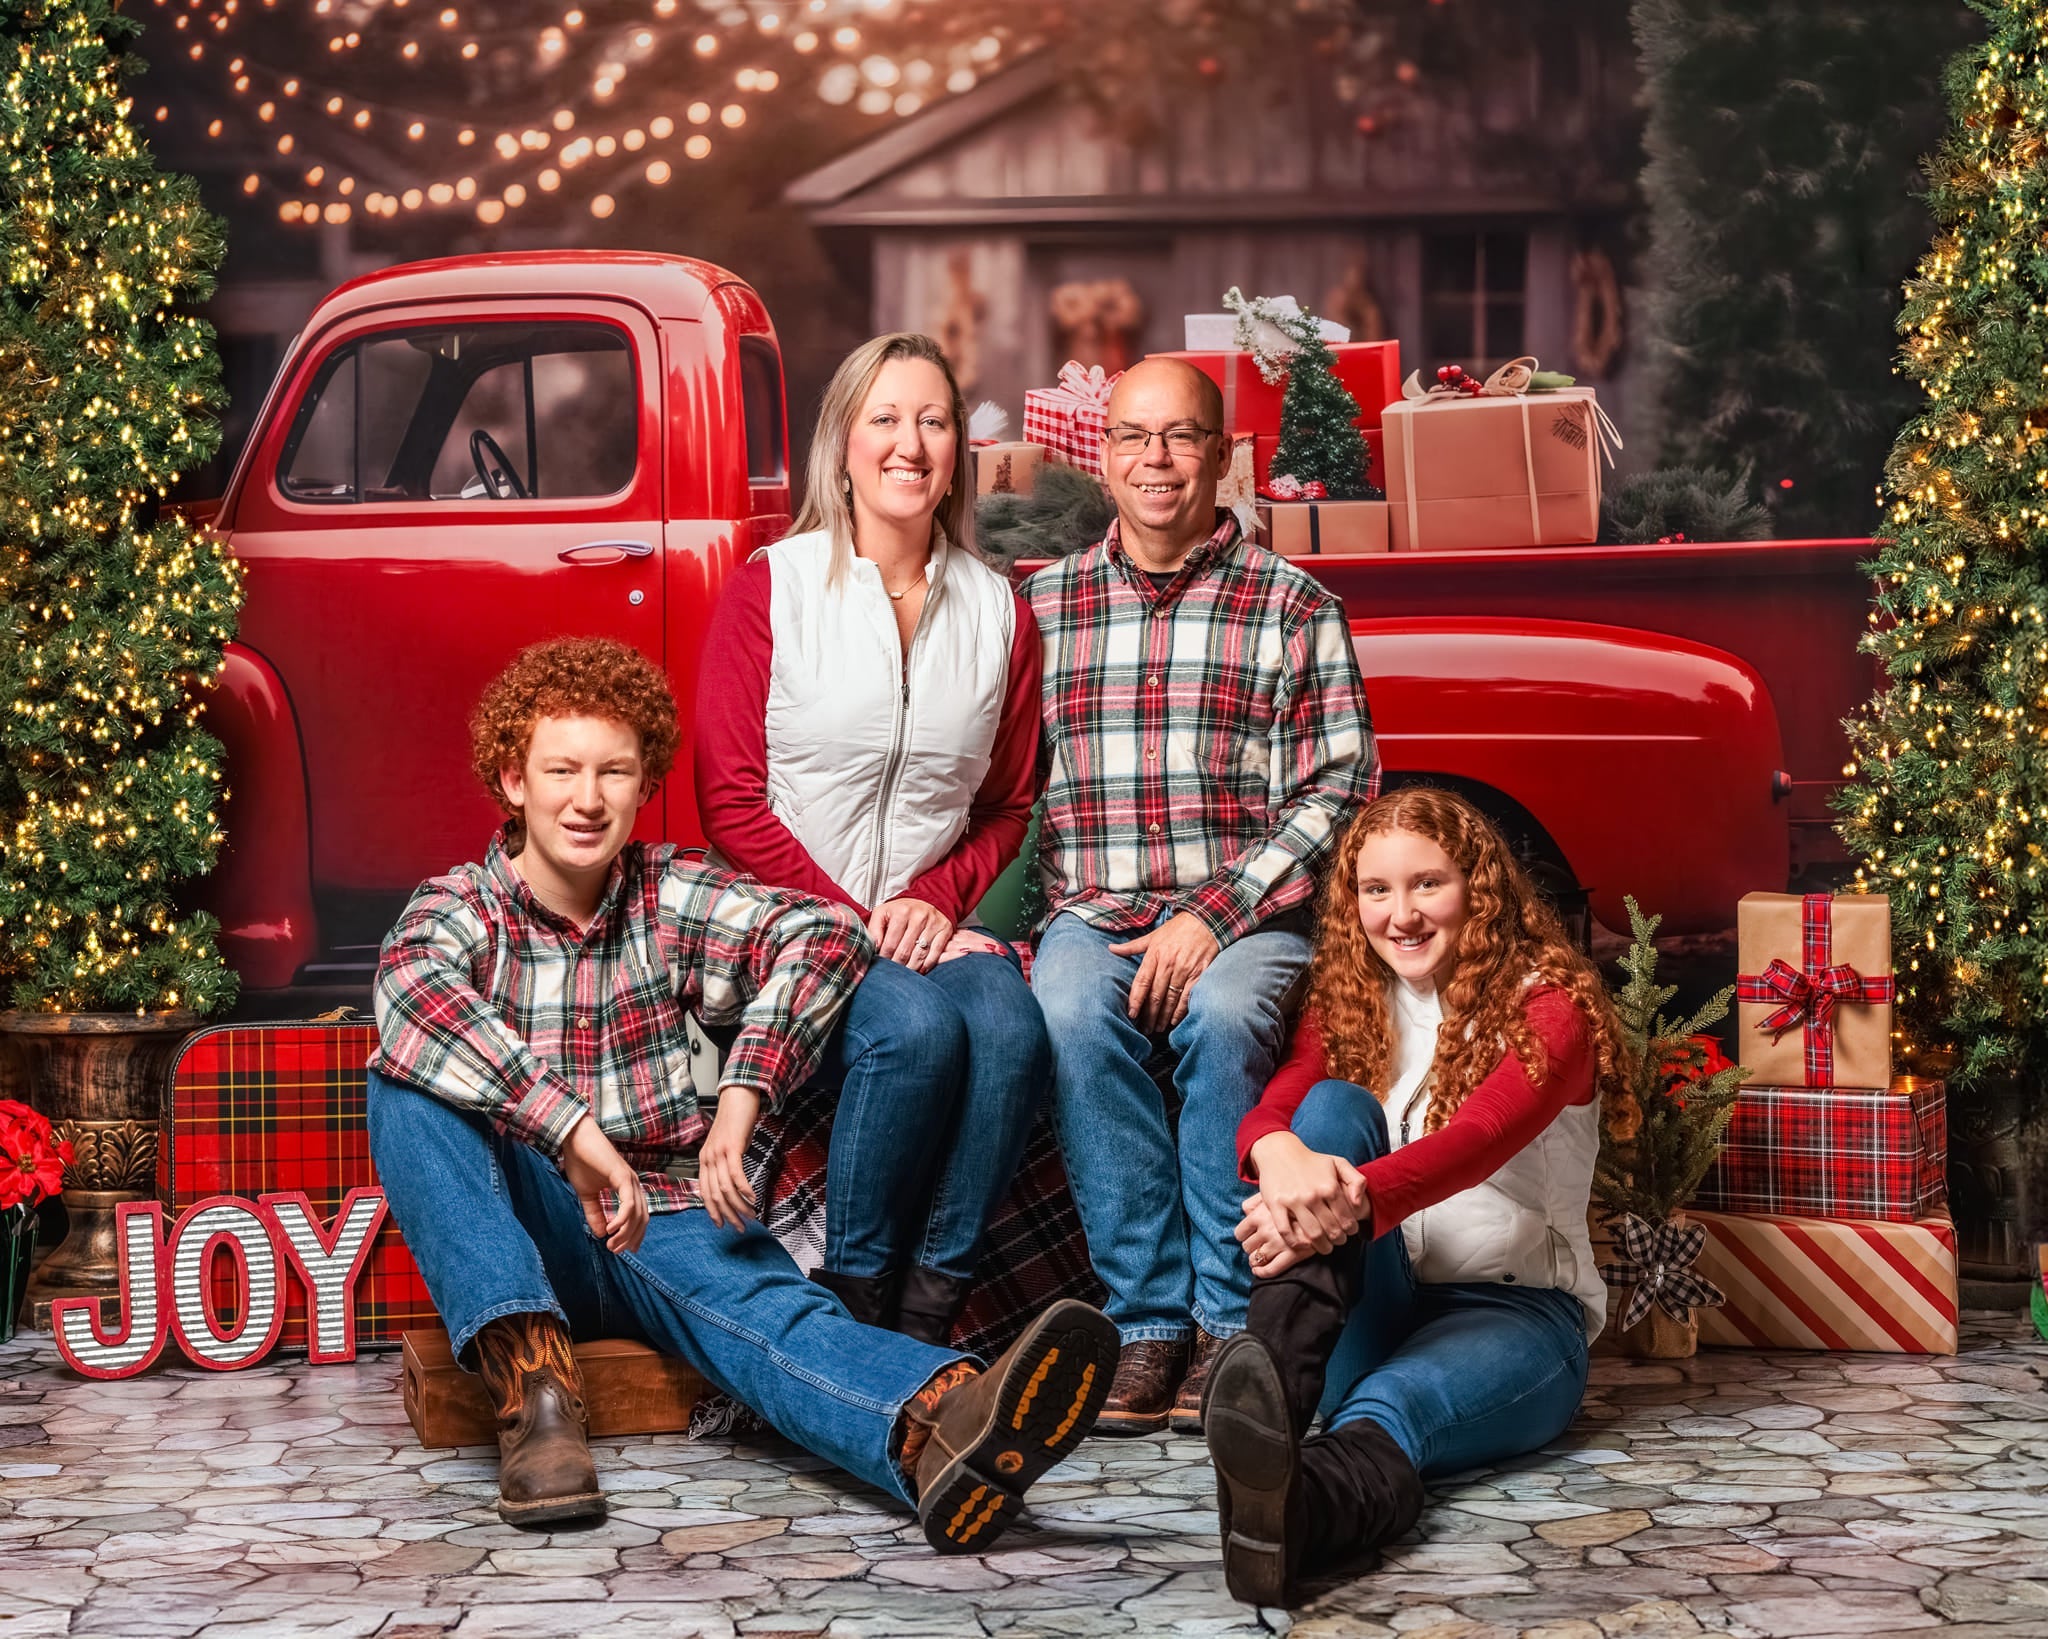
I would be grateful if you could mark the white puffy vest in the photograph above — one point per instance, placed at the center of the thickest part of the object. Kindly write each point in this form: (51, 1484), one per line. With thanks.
(874, 758)
(1524, 1226)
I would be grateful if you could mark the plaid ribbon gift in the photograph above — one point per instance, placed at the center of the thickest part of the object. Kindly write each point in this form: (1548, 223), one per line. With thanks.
(1833, 1152)
(1068, 419)
(1656, 1261)
(1807, 996)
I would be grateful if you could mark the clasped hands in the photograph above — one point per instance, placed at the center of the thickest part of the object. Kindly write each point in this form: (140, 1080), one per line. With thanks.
(1308, 1203)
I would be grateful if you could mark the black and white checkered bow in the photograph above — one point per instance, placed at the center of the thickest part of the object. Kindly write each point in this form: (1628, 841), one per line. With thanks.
(1656, 1260)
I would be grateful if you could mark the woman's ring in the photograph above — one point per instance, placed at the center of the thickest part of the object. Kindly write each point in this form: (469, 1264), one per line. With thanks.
(922, 944)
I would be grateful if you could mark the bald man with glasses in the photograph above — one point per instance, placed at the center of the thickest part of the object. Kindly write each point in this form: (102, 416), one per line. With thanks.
(1205, 740)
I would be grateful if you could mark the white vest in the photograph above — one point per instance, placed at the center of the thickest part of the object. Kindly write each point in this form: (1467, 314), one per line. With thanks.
(1524, 1226)
(874, 758)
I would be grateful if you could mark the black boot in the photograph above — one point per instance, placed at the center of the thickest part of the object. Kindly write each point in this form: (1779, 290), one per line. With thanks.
(930, 1303)
(1299, 1315)
(870, 1299)
(1359, 1492)
(1287, 1508)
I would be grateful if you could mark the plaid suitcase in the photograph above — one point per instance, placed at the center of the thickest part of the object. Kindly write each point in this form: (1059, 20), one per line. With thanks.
(262, 1107)
(255, 1108)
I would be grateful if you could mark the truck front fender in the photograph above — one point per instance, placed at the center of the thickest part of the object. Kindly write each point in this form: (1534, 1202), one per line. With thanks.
(1652, 763)
(262, 886)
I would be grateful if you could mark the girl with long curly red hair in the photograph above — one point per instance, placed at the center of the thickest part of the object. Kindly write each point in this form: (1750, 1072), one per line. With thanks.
(1444, 1081)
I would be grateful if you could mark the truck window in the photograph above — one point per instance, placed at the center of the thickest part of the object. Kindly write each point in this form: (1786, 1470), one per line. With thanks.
(476, 413)
(761, 407)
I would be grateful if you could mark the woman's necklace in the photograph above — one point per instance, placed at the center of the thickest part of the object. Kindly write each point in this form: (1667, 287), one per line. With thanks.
(898, 597)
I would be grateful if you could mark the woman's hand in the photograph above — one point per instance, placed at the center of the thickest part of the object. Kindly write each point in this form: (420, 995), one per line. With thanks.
(721, 1158)
(1315, 1201)
(1263, 1244)
(593, 1165)
(911, 932)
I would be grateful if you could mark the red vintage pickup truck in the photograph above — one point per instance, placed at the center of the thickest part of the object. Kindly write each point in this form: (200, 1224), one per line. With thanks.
(460, 457)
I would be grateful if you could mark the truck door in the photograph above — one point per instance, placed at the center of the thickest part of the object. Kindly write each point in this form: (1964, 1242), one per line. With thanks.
(438, 489)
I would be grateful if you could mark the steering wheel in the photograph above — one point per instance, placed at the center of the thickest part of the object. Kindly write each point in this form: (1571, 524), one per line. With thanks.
(502, 482)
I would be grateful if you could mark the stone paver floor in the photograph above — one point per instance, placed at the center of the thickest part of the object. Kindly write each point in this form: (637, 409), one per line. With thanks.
(1770, 1496)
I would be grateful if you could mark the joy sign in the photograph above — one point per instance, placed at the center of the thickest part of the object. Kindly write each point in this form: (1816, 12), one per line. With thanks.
(167, 1284)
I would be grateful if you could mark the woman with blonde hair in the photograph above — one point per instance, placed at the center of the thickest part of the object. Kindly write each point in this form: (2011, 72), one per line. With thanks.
(1444, 1081)
(867, 730)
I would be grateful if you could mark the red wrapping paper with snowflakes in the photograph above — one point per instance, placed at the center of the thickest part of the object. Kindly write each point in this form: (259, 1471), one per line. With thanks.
(1834, 1152)
(1820, 1283)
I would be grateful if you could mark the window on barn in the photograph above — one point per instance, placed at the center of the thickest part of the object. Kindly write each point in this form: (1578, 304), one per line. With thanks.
(1475, 294)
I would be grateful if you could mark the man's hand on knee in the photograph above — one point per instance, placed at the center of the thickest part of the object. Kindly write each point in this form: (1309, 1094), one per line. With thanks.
(593, 1165)
(1175, 954)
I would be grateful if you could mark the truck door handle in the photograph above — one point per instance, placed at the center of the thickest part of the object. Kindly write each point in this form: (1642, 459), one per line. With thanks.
(600, 552)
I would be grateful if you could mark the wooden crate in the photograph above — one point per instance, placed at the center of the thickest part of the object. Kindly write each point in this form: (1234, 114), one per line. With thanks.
(627, 1389)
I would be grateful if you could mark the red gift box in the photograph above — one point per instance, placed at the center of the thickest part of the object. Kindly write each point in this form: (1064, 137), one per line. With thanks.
(1068, 419)
(256, 1109)
(1834, 1152)
(1370, 369)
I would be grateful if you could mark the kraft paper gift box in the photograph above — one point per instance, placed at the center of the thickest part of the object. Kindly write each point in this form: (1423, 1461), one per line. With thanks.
(1821, 1283)
(1813, 990)
(1302, 529)
(1008, 467)
(1508, 470)
(1833, 1152)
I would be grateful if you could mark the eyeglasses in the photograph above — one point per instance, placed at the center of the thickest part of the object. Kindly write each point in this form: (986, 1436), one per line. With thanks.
(1125, 439)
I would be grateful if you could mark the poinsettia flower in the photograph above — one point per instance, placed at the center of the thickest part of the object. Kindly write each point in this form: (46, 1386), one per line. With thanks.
(32, 1160)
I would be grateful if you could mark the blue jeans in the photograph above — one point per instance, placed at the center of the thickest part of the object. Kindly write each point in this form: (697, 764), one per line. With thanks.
(939, 1077)
(496, 1230)
(1461, 1374)
(1160, 1236)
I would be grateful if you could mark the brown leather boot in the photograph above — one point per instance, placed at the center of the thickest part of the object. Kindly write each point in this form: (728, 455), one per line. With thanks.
(1187, 1405)
(544, 1469)
(988, 1438)
(1141, 1397)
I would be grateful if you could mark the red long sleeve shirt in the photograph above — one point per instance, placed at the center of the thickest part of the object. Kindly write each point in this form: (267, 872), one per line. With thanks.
(1500, 1116)
(732, 762)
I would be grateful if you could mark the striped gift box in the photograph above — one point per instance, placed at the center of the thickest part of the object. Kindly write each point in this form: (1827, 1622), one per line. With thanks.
(260, 1108)
(1819, 1283)
(1833, 1152)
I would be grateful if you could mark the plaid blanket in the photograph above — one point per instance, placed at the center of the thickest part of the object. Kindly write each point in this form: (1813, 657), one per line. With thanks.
(259, 1107)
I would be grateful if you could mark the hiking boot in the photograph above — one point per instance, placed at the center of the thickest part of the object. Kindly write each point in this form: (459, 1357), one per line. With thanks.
(545, 1474)
(988, 1436)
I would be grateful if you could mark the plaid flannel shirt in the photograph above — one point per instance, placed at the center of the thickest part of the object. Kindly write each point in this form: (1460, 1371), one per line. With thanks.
(491, 1001)
(1205, 742)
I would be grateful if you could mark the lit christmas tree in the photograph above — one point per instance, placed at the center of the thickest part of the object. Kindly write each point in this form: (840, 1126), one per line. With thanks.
(116, 611)
(1949, 807)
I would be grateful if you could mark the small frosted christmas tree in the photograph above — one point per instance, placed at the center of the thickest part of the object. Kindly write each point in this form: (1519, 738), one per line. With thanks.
(1948, 809)
(116, 611)
(1319, 438)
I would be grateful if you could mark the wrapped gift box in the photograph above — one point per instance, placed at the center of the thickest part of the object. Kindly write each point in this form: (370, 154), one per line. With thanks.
(1302, 529)
(1371, 370)
(1820, 1283)
(1009, 467)
(1215, 331)
(1814, 989)
(1507, 470)
(1833, 1152)
(1068, 419)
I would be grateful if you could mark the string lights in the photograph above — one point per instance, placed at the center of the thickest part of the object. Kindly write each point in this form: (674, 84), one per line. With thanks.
(413, 158)
(1948, 805)
(117, 612)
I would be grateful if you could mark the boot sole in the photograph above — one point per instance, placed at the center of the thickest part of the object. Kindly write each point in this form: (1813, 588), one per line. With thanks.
(1051, 1390)
(1185, 1422)
(1122, 1423)
(1251, 1442)
(549, 1510)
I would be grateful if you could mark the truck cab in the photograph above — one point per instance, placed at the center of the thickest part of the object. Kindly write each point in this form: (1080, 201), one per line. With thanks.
(459, 458)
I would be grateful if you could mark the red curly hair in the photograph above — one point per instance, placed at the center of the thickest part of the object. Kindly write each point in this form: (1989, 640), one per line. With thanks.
(571, 677)
(1510, 932)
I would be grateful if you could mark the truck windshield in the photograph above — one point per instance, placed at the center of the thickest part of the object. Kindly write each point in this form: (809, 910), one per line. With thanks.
(494, 412)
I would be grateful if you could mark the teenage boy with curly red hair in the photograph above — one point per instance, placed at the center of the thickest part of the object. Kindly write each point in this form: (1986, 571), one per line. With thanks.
(531, 1105)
